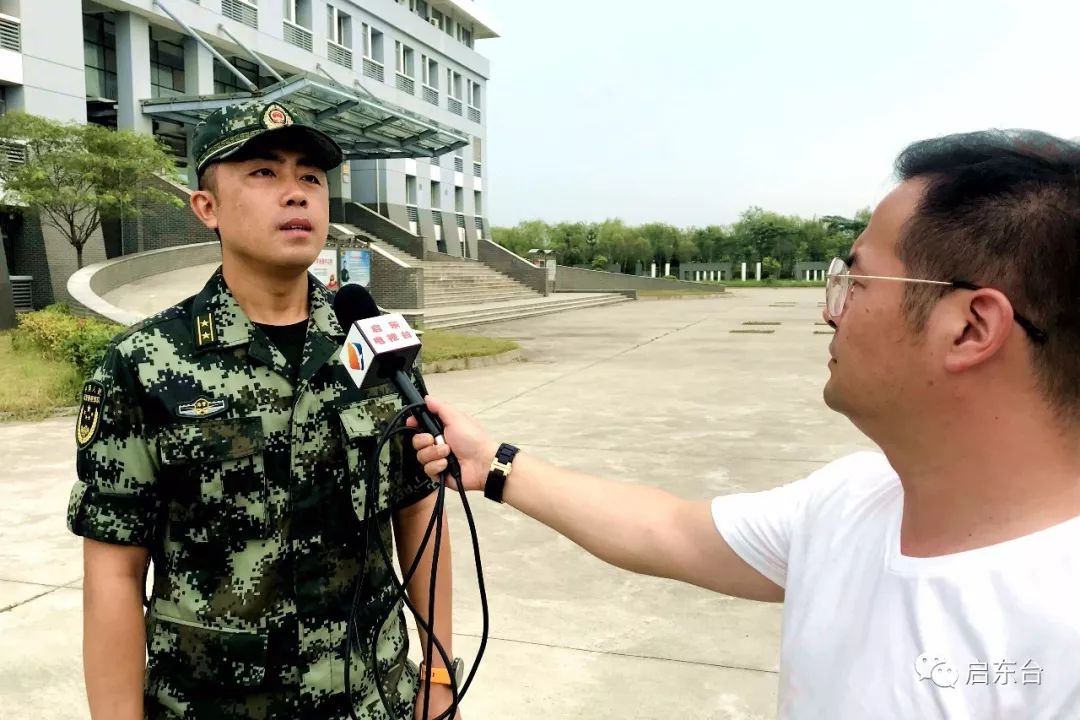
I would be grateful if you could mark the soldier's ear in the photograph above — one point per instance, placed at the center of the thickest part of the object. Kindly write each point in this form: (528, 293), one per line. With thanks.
(204, 205)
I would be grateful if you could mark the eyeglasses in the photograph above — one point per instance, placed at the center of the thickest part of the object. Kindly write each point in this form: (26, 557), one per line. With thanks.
(838, 288)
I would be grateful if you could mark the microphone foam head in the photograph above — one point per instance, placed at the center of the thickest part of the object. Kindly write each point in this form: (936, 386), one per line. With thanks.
(353, 302)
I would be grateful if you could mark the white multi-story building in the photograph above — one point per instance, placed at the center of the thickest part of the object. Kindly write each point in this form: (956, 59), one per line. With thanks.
(400, 84)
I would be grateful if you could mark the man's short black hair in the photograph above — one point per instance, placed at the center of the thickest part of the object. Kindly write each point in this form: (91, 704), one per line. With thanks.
(1002, 209)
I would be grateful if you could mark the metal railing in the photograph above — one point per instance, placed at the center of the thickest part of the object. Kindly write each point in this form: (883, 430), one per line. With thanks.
(474, 114)
(297, 35)
(431, 95)
(339, 54)
(241, 11)
(22, 291)
(406, 84)
(10, 33)
(373, 70)
(454, 105)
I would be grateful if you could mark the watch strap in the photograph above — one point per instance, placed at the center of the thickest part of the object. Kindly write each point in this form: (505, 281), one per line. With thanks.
(500, 470)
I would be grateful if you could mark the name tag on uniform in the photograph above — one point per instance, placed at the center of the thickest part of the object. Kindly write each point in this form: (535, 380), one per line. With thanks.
(202, 408)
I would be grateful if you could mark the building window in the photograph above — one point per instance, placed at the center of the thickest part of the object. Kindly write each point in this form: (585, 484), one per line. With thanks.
(99, 56)
(338, 27)
(410, 189)
(373, 43)
(166, 63)
(459, 200)
(465, 35)
(436, 195)
(296, 28)
(478, 200)
(453, 84)
(298, 12)
(226, 82)
(437, 18)
(404, 59)
(429, 70)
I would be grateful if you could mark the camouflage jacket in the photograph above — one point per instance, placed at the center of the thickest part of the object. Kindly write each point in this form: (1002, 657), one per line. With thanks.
(254, 571)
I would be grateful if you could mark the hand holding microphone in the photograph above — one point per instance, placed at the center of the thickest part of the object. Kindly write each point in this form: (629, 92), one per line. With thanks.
(464, 437)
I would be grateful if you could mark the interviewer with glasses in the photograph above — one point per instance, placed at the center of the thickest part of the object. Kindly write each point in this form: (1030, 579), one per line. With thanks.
(939, 578)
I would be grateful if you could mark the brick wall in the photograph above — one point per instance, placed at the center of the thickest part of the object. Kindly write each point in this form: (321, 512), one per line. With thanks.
(393, 285)
(162, 226)
(29, 257)
(518, 268)
(44, 253)
(371, 222)
(568, 278)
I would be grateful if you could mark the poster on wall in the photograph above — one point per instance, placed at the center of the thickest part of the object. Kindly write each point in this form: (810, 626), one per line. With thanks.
(325, 269)
(355, 267)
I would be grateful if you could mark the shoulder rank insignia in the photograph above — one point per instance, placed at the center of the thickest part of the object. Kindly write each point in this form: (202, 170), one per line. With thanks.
(89, 421)
(205, 332)
(202, 408)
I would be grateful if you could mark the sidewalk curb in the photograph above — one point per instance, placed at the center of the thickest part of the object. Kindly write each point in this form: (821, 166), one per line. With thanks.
(472, 363)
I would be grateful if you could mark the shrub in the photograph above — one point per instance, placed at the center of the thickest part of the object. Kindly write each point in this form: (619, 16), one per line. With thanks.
(59, 335)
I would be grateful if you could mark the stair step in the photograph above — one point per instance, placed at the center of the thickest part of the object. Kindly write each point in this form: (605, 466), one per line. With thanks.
(479, 299)
(462, 319)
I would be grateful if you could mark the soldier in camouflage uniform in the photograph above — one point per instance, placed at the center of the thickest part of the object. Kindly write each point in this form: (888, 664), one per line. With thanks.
(232, 453)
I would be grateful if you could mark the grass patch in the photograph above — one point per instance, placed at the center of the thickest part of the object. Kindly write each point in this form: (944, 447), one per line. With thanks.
(447, 345)
(753, 332)
(31, 386)
(678, 293)
(760, 322)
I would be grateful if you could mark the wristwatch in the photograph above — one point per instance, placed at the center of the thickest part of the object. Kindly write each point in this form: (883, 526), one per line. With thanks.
(500, 470)
(441, 676)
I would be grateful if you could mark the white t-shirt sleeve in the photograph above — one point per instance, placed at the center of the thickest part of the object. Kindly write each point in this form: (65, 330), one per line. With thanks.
(760, 526)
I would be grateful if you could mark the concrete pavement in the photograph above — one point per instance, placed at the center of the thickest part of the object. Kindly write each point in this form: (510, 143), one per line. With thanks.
(656, 392)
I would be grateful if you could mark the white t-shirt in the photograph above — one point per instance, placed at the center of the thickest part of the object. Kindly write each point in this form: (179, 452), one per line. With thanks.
(870, 634)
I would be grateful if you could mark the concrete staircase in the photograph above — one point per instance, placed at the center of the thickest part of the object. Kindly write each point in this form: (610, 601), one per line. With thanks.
(467, 282)
(459, 292)
(452, 316)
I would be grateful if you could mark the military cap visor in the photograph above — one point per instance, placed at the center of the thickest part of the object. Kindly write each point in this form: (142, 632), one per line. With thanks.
(229, 131)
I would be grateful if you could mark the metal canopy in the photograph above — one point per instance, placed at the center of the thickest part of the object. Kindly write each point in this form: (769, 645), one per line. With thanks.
(364, 126)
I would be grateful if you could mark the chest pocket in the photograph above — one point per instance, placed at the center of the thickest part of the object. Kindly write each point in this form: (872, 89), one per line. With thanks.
(362, 423)
(215, 479)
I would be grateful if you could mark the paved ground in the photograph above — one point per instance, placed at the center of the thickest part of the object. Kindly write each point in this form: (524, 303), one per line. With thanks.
(655, 391)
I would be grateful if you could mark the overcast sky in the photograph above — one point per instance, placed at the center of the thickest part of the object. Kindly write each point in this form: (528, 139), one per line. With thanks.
(689, 111)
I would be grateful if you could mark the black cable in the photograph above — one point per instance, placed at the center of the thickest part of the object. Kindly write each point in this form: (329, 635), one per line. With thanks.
(436, 524)
(401, 588)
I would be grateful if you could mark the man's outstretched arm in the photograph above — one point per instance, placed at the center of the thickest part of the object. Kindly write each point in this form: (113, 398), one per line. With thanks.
(635, 527)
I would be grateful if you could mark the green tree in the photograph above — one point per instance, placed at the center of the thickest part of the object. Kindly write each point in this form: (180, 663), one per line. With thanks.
(76, 175)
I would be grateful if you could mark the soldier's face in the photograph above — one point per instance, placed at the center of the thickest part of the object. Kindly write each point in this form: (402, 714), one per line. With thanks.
(271, 208)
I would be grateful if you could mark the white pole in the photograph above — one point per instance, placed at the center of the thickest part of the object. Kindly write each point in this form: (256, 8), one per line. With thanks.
(652, 270)
(744, 272)
(667, 269)
(757, 271)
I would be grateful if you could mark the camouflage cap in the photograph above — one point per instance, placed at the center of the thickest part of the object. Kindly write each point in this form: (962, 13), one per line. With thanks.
(228, 129)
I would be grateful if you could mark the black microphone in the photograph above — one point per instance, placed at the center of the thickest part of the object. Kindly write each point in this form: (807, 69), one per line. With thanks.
(380, 347)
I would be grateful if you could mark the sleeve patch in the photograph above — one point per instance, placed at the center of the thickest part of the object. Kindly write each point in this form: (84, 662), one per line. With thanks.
(86, 428)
